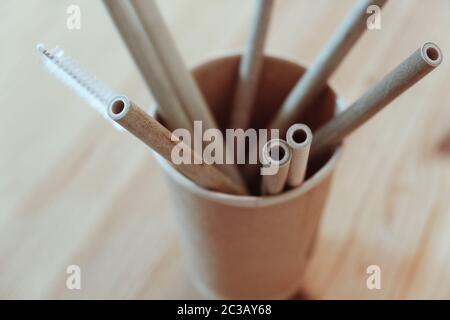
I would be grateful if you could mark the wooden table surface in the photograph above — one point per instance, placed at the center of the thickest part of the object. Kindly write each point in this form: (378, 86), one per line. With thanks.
(75, 191)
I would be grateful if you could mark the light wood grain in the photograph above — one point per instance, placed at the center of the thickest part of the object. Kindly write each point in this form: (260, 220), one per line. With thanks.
(66, 197)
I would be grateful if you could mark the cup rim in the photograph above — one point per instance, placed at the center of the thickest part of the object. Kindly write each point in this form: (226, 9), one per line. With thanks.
(250, 200)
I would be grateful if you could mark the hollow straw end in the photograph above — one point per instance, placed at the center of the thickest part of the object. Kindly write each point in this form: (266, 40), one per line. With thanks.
(432, 54)
(299, 135)
(276, 152)
(118, 107)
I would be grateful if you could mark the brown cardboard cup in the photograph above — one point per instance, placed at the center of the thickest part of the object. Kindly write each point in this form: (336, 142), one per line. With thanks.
(246, 247)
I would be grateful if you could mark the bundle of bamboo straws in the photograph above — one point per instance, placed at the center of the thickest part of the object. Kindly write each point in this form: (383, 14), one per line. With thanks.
(180, 101)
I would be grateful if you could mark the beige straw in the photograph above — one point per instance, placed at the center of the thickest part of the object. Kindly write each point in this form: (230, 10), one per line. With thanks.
(146, 58)
(180, 78)
(314, 80)
(251, 66)
(298, 137)
(275, 155)
(161, 140)
(413, 69)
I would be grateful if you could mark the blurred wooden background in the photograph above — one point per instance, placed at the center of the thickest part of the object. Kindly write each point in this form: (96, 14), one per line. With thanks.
(75, 191)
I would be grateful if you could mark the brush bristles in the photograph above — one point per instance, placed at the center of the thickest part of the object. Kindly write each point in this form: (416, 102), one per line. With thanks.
(66, 69)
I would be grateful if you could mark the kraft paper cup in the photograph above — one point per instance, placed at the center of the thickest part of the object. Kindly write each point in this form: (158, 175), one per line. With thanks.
(252, 247)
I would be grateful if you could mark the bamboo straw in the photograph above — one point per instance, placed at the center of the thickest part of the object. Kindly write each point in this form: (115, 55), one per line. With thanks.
(250, 66)
(161, 140)
(146, 58)
(413, 69)
(298, 137)
(181, 79)
(314, 80)
(275, 154)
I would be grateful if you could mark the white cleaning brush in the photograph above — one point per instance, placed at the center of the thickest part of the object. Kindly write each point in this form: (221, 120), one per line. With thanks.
(94, 92)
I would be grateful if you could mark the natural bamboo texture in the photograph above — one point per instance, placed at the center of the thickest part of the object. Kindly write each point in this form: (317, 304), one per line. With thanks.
(161, 140)
(183, 84)
(299, 138)
(397, 217)
(149, 64)
(250, 66)
(404, 76)
(276, 155)
(312, 83)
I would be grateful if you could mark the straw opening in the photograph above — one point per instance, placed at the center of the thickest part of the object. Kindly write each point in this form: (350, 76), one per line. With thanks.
(118, 107)
(277, 153)
(432, 54)
(300, 136)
